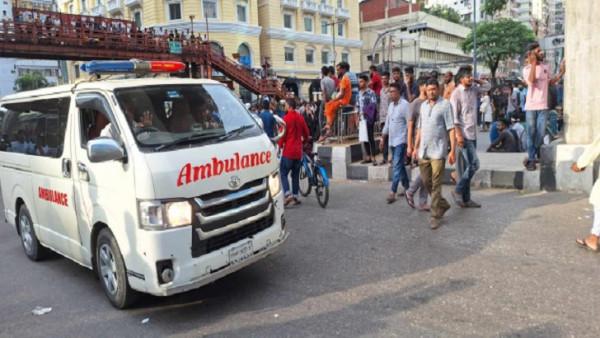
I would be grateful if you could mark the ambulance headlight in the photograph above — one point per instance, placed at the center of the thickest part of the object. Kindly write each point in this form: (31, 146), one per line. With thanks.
(158, 215)
(274, 183)
(178, 213)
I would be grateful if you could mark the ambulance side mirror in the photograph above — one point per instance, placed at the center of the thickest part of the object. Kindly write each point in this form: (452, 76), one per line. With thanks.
(281, 128)
(104, 149)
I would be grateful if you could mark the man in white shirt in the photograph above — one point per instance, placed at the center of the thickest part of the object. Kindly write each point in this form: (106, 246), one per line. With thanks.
(396, 130)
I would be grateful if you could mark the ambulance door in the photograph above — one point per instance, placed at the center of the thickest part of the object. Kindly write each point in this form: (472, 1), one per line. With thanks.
(103, 188)
(47, 126)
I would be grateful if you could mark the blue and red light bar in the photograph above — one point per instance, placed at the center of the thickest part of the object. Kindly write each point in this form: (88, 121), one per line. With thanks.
(132, 67)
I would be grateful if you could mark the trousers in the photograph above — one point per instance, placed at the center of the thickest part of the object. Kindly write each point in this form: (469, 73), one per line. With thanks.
(432, 173)
(467, 165)
(536, 130)
(288, 165)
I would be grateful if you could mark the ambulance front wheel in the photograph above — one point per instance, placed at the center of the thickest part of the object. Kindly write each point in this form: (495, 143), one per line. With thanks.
(112, 272)
(33, 249)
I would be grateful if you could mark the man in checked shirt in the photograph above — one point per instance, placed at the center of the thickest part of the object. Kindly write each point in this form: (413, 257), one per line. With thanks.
(464, 107)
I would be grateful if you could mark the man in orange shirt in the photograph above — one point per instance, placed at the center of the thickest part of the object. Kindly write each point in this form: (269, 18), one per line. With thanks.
(342, 98)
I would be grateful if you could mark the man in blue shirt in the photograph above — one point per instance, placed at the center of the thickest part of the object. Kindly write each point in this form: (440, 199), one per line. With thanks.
(267, 118)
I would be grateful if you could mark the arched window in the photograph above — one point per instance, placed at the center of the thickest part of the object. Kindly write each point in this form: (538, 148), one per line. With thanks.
(245, 55)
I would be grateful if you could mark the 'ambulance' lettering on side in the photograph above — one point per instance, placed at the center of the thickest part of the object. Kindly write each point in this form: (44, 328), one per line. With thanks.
(190, 174)
(53, 196)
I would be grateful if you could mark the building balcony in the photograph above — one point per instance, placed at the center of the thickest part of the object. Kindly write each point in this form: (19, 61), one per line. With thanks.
(309, 6)
(290, 4)
(114, 6)
(326, 10)
(99, 10)
(133, 3)
(343, 13)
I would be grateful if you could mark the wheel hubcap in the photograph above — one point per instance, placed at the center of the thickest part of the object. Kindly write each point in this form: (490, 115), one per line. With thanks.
(108, 268)
(26, 234)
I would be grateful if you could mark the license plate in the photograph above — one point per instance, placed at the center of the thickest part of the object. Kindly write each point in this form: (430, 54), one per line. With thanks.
(240, 253)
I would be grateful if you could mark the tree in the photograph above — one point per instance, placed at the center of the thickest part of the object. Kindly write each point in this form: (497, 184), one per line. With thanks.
(491, 7)
(443, 12)
(31, 81)
(498, 41)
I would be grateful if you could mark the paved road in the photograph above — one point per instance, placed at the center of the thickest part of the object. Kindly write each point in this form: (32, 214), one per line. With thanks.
(359, 268)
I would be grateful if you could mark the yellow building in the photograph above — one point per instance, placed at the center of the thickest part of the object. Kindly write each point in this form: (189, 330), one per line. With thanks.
(232, 24)
(298, 37)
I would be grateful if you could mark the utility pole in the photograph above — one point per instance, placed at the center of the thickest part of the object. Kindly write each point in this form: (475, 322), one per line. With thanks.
(475, 38)
(333, 23)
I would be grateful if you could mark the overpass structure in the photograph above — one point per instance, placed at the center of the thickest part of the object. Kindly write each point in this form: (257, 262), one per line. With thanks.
(38, 34)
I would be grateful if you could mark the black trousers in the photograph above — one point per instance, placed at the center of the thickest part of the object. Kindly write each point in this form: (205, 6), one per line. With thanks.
(369, 147)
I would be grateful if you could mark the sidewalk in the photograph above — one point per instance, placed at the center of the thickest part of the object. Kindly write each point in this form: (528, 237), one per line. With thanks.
(497, 170)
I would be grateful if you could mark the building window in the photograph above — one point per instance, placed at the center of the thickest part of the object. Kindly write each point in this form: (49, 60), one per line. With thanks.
(376, 61)
(325, 57)
(210, 9)
(137, 18)
(340, 3)
(340, 31)
(288, 20)
(242, 11)
(308, 23)
(346, 57)
(71, 9)
(310, 56)
(289, 54)
(174, 11)
(325, 27)
(83, 5)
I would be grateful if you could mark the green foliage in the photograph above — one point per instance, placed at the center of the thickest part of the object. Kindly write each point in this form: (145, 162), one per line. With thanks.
(498, 41)
(443, 12)
(31, 81)
(491, 7)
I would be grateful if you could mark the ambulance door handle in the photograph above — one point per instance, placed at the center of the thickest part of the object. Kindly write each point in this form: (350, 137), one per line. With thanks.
(83, 172)
(66, 167)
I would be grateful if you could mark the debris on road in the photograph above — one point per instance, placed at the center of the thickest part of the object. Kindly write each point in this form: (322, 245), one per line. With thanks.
(40, 311)
(145, 320)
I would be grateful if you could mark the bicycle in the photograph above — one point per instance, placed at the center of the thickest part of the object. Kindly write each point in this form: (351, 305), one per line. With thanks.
(313, 174)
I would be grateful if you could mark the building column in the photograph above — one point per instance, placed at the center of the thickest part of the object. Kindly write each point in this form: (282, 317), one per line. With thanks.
(582, 48)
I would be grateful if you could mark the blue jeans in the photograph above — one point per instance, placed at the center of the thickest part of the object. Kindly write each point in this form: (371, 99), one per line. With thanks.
(286, 166)
(400, 175)
(536, 130)
(467, 164)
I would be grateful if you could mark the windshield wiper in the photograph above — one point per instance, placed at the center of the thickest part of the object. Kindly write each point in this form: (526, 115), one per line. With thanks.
(189, 140)
(235, 132)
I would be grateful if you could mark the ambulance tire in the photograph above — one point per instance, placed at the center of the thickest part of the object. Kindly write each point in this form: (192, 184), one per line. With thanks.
(112, 272)
(33, 249)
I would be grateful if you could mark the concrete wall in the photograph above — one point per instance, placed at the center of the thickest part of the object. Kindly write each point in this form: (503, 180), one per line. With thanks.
(582, 47)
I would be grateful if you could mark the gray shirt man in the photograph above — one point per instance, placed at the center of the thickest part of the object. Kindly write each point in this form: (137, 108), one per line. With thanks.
(464, 105)
(434, 123)
(396, 123)
(327, 88)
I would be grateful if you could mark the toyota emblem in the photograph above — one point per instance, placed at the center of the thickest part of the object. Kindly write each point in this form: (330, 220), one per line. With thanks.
(234, 182)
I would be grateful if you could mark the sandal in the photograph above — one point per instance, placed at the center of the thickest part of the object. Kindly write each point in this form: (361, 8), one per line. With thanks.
(583, 243)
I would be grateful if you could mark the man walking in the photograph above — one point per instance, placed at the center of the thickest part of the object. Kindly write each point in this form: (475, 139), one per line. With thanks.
(413, 117)
(464, 106)
(537, 77)
(367, 110)
(327, 90)
(396, 130)
(412, 88)
(448, 86)
(384, 103)
(291, 160)
(435, 130)
(587, 159)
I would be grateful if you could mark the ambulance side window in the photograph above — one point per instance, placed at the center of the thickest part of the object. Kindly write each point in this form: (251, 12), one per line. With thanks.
(95, 119)
(35, 127)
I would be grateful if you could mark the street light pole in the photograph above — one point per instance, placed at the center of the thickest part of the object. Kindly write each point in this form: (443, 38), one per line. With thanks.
(475, 38)
(333, 23)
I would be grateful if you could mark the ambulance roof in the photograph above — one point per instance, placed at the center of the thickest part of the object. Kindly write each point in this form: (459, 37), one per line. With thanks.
(108, 85)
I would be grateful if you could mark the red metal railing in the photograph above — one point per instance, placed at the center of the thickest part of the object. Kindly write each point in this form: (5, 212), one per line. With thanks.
(52, 35)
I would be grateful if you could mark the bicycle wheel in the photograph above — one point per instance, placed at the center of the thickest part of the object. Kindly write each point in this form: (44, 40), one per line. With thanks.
(305, 186)
(321, 189)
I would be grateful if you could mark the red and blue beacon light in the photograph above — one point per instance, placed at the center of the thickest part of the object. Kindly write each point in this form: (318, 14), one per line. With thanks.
(132, 67)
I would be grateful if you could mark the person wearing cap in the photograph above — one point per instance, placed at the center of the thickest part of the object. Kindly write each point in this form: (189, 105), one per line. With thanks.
(464, 106)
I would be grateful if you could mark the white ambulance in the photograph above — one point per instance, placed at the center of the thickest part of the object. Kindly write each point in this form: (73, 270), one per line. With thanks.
(161, 185)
